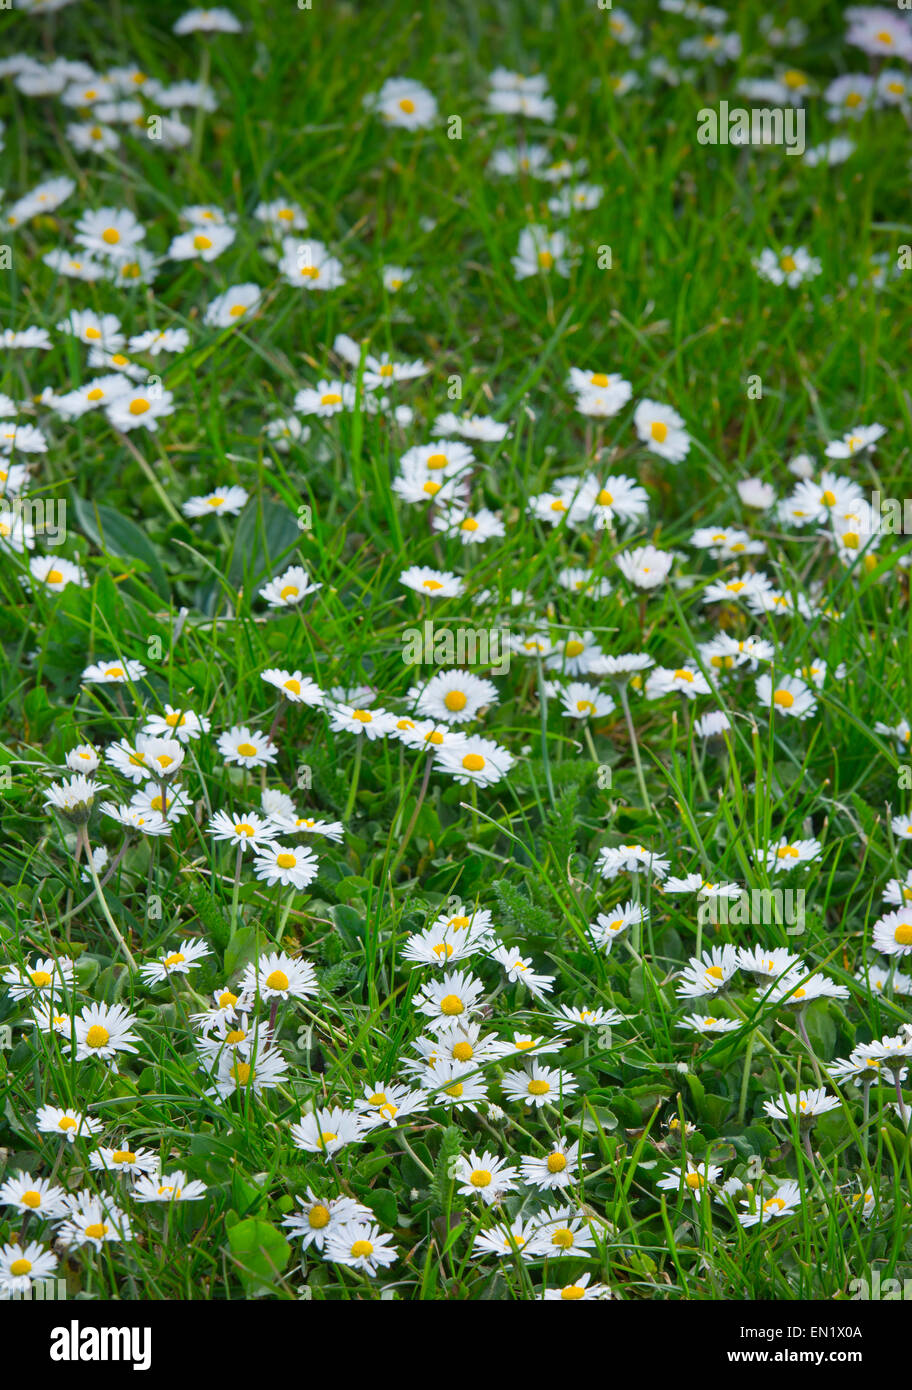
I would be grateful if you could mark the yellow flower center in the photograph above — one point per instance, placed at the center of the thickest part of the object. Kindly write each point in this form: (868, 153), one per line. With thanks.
(451, 1004)
(97, 1036)
(788, 264)
(455, 700)
(67, 1122)
(97, 1230)
(286, 861)
(659, 431)
(18, 1268)
(277, 979)
(318, 1217)
(572, 1293)
(293, 685)
(246, 750)
(903, 934)
(784, 698)
(111, 236)
(407, 105)
(545, 260)
(463, 1052)
(40, 979)
(174, 959)
(694, 1180)
(556, 1163)
(139, 406)
(202, 243)
(538, 1087)
(473, 762)
(237, 309)
(123, 1156)
(31, 1199)
(480, 1178)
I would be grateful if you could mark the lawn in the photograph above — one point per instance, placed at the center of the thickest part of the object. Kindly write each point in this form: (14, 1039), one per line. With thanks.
(454, 743)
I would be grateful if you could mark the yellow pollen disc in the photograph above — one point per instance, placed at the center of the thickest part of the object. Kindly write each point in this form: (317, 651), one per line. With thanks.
(480, 1178)
(244, 829)
(363, 716)
(40, 978)
(158, 804)
(585, 706)
(407, 105)
(573, 648)
(277, 979)
(562, 1238)
(227, 1000)
(784, 698)
(111, 236)
(604, 498)
(237, 309)
(318, 1217)
(708, 1022)
(96, 394)
(903, 934)
(432, 584)
(97, 1036)
(97, 1231)
(331, 398)
(435, 736)
(362, 1248)
(470, 524)
(463, 1052)
(443, 949)
(288, 591)
(715, 972)
(787, 852)
(130, 271)
(387, 369)
(545, 260)
(328, 1137)
(123, 1156)
(538, 1087)
(242, 1073)
(451, 1004)
(202, 243)
(430, 487)
(884, 37)
(572, 1293)
(854, 99)
(794, 78)
(557, 505)
(53, 577)
(175, 959)
(118, 359)
(473, 762)
(455, 701)
(851, 540)
(455, 1090)
(246, 750)
(310, 272)
(293, 685)
(139, 406)
(524, 1044)
(828, 498)
(683, 676)
(788, 264)
(774, 1202)
(285, 214)
(19, 1268)
(598, 379)
(659, 431)
(436, 461)
(694, 1180)
(235, 1036)
(93, 333)
(556, 1163)
(799, 993)
(31, 1199)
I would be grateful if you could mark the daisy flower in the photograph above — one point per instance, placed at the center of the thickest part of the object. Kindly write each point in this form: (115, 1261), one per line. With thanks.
(321, 1217)
(892, 934)
(288, 588)
(33, 1195)
(373, 723)
(123, 1160)
(784, 1203)
(246, 747)
(166, 1187)
(807, 1105)
(541, 252)
(435, 583)
(279, 976)
(20, 1266)
(479, 760)
(662, 430)
(709, 973)
(484, 1175)
(538, 1085)
(224, 501)
(404, 103)
(455, 697)
(245, 829)
(646, 567)
(787, 695)
(179, 962)
(581, 1291)
(182, 724)
(103, 1030)
(562, 1231)
(327, 1131)
(554, 1170)
(294, 686)
(518, 971)
(238, 302)
(93, 1221)
(695, 1176)
(237, 1076)
(630, 859)
(453, 995)
(360, 1245)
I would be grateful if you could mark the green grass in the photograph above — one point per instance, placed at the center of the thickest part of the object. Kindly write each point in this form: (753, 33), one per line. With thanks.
(683, 316)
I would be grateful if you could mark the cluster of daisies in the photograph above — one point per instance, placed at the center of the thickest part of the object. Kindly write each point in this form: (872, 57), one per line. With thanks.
(492, 1037)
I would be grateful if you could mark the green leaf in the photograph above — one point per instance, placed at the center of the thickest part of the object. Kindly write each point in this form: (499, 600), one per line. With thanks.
(115, 534)
(260, 1249)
